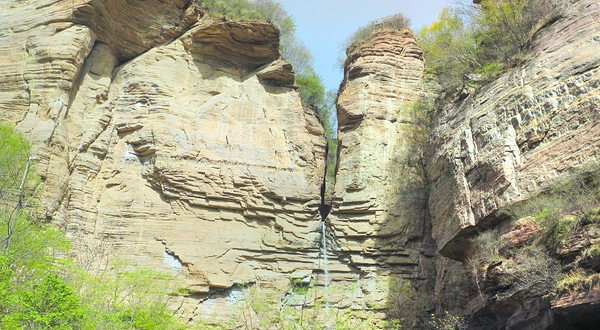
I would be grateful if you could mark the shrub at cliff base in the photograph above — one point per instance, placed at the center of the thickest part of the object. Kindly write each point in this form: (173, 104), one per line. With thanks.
(43, 289)
(566, 215)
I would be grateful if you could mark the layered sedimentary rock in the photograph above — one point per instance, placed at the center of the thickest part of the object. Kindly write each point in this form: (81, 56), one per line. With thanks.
(167, 139)
(511, 139)
(518, 134)
(378, 217)
(179, 143)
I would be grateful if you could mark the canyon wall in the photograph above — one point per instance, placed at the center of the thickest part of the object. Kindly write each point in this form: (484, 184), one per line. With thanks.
(516, 136)
(179, 143)
(168, 139)
(509, 140)
(379, 207)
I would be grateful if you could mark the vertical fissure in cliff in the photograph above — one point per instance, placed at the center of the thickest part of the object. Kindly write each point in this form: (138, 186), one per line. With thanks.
(325, 207)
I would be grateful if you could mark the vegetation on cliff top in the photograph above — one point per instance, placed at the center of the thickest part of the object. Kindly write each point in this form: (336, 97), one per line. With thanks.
(393, 22)
(471, 44)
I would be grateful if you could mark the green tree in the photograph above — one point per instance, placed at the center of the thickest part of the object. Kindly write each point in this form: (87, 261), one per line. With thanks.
(394, 22)
(450, 48)
(505, 28)
(474, 43)
(15, 176)
(311, 89)
(46, 304)
(41, 288)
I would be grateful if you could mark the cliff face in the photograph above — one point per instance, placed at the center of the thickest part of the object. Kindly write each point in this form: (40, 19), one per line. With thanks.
(167, 139)
(515, 137)
(377, 221)
(179, 143)
(511, 139)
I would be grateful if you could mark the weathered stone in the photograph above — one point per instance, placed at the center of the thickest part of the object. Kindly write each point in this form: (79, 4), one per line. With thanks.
(519, 133)
(247, 45)
(520, 232)
(278, 73)
(578, 310)
(178, 160)
(507, 142)
(378, 216)
(178, 142)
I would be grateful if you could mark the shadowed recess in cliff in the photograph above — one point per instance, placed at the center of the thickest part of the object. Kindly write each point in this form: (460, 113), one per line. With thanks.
(378, 218)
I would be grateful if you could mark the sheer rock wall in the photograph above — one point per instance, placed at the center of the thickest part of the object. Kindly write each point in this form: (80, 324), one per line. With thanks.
(519, 133)
(379, 208)
(512, 139)
(179, 143)
(167, 139)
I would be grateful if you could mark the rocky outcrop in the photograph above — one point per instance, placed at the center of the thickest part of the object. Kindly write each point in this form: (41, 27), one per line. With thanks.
(168, 139)
(179, 143)
(378, 215)
(510, 140)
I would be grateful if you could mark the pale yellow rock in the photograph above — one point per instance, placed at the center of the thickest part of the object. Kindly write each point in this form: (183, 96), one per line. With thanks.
(519, 133)
(158, 141)
(380, 194)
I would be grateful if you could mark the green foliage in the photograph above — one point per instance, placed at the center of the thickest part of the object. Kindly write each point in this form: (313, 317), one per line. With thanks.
(312, 94)
(404, 303)
(299, 287)
(270, 11)
(481, 39)
(447, 321)
(503, 25)
(394, 22)
(490, 71)
(420, 113)
(451, 50)
(40, 288)
(564, 206)
(332, 158)
(578, 280)
(556, 229)
(530, 271)
(235, 9)
(488, 245)
(126, 299)
(592, 252)
(14, 153)
(535, 273)
(46, 304)
(311, 89)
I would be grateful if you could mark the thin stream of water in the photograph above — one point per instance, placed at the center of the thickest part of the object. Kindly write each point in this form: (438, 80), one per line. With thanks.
(325, 266)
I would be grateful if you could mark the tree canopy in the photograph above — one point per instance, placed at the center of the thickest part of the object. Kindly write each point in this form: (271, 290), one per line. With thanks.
(474, 43)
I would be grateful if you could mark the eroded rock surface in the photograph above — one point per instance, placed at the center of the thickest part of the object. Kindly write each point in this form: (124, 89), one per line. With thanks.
(507, 142)
(514, 137)
(174, 141)
(378, 216)
(179, 143)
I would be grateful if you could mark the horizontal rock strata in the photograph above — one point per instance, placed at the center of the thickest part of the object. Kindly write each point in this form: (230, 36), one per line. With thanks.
(378, 216)
(167, 139)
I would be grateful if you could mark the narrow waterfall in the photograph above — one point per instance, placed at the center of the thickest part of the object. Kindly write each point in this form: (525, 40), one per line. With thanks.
(325, 265)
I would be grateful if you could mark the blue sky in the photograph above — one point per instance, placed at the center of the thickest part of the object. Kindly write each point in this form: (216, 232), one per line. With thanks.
(324, 24)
